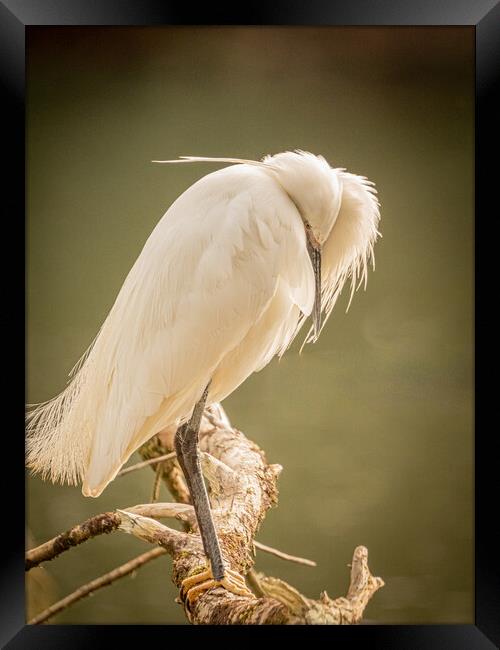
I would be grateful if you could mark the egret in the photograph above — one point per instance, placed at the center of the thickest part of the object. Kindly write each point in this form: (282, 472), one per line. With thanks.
(224, 283)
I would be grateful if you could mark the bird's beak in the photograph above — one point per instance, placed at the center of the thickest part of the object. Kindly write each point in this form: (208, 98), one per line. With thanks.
(314, 250)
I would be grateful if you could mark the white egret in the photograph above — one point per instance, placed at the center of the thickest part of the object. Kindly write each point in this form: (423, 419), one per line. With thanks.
(223, 284)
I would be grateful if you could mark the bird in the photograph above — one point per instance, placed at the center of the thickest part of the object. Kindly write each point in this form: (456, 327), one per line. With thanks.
(226, 280)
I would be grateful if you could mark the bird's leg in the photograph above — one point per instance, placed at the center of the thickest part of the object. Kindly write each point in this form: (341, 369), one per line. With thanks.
(186, 446)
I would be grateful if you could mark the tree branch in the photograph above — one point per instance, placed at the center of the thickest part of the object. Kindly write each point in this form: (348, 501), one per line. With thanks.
(98, 583)
(242, 488)
(92, 527)
(145, 463)
(171, 474)
(282, 555)
(98, 525)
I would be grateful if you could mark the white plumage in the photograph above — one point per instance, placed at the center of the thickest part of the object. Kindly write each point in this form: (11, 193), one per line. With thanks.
(222, 285)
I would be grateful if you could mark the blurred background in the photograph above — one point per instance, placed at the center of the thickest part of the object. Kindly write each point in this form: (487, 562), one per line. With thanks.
(374, 423)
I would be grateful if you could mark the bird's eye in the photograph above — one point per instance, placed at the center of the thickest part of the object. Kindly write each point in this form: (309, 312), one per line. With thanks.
(308, 226)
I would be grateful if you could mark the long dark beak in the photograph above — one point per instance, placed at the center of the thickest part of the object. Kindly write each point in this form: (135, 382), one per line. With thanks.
(314, 250)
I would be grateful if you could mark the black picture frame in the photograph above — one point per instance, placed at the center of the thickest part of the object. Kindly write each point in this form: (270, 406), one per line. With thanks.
(18, 15)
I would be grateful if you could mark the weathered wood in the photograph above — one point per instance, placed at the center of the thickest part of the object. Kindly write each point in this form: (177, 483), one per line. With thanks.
(98, 525)
(242, 486)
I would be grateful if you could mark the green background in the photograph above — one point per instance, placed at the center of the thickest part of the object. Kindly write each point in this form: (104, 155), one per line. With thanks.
(374, 423)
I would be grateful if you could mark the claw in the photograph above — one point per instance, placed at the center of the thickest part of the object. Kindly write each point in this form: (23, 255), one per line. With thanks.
(194, 586)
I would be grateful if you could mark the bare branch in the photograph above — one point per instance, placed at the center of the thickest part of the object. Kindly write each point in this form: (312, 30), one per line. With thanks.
(98, 583)
(182, 511)
(171, 474)
(98, 525)
(242, 489)
(282, 555)
(185, 512)
(155, 494)
(150, 530)
(146, 463)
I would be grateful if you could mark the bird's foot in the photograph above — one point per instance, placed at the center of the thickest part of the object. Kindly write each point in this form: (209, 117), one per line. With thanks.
(194, 586)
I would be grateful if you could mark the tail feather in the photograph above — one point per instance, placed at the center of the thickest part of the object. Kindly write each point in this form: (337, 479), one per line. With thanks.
(58, 437)
(59, 432)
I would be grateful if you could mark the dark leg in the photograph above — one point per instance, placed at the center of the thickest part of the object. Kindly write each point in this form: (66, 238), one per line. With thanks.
(186, 446)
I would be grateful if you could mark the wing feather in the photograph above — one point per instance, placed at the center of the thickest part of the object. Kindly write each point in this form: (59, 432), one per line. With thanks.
(204, 277)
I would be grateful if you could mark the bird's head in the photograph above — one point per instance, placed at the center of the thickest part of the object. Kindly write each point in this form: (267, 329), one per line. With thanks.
(340, 213)
(313, 186)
